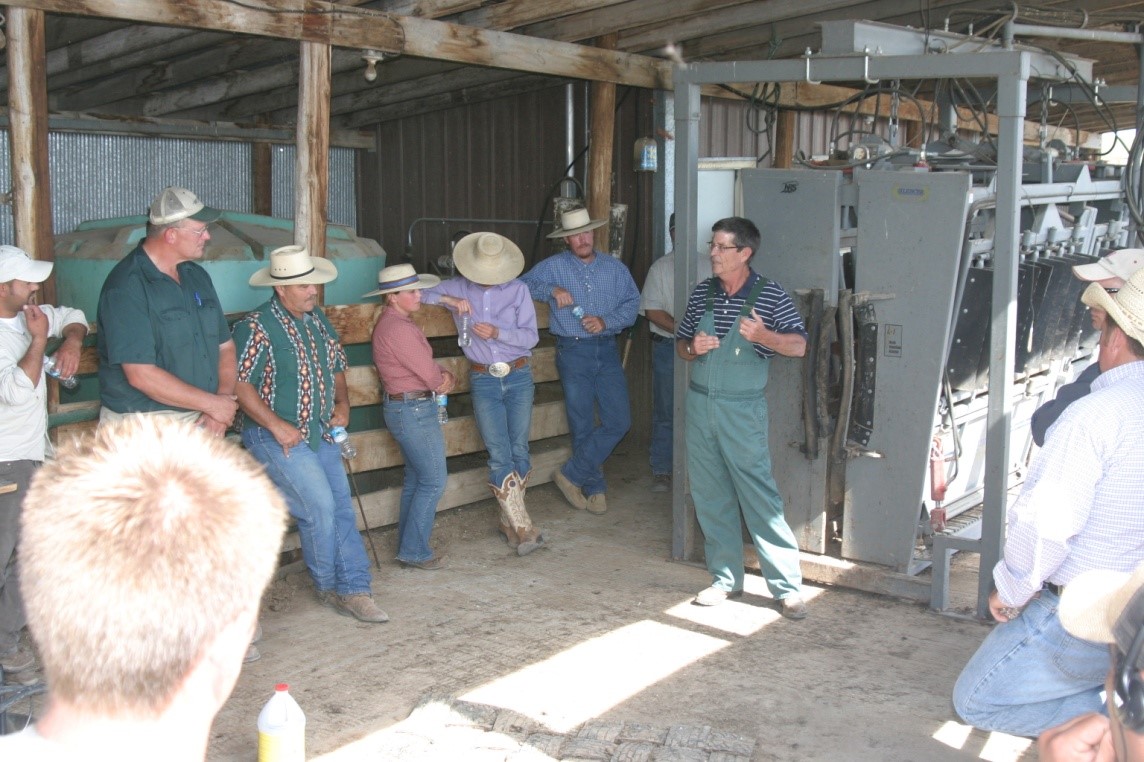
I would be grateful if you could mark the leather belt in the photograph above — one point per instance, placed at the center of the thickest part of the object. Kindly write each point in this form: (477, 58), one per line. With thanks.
(657, 337)
(403, 396)
(1054, 588)
(500, 369)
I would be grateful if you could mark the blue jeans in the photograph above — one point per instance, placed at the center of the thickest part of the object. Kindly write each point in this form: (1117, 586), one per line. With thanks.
(1030, 675)
(592, 377)
(503, 409)
(413, 423)
(662, 385)
(317, 492)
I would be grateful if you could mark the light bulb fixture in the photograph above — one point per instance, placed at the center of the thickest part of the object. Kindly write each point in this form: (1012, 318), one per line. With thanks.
(371, 58)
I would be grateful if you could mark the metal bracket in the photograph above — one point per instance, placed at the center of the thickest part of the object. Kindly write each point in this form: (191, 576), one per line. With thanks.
(865, 67)
(806, 56)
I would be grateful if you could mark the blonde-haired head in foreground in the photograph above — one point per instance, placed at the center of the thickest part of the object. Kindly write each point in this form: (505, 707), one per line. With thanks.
(140, 544)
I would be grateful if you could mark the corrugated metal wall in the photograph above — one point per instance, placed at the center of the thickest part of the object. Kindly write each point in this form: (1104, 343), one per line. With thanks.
(98, 176)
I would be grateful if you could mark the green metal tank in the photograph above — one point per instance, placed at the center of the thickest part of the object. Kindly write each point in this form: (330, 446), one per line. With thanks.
(239, 245)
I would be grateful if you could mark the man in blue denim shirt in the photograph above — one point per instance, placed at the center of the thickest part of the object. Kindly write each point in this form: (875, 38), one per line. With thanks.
(592, 298)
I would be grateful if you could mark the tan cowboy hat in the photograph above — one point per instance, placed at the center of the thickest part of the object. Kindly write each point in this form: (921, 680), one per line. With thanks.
(1119, 264)
(1094, 604)
(575, 221)
(1126, 307)
(293, 266)
(401, 278)
(488, 259)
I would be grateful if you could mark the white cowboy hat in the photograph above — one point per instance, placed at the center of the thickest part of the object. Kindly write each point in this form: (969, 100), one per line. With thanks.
(401, 278)
(488, 259)
(575, 221)
(174, 204)
(1119, 264)
(1126, 307)
(293, 266)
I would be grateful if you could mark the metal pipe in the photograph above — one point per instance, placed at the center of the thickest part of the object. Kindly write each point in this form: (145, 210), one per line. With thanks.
(1064, 33)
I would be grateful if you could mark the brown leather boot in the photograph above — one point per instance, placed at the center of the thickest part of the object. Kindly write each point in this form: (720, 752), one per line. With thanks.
(501, 493)
(530, 537)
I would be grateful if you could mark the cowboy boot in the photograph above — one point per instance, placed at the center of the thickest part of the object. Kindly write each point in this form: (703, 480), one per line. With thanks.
(502, 495)
(529, 537)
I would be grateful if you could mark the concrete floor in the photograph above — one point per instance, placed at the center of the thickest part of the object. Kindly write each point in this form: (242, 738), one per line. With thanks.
(594, 637)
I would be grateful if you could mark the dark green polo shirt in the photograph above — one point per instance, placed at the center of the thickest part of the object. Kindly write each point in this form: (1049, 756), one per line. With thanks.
(145, 317)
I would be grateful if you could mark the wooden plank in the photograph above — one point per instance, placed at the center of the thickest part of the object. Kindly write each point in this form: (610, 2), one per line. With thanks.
(378, 449)
(354, 322)
(261, 178)
(469, 486)
(332, 24)
(511, 14)
(365, 389)
(28, 114)
(602, 111)
(302, 20)
(312, 157)
(782, 151)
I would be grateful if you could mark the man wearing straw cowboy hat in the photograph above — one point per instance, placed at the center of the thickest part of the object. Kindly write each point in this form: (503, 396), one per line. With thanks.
(500, 378)
(1078, 510)
(164, 345)
(411, 380)
(292, 391)
(592, 298)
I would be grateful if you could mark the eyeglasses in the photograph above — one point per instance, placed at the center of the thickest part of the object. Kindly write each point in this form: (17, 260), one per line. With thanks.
(1111, 290)
(713, 246)
(197, 232)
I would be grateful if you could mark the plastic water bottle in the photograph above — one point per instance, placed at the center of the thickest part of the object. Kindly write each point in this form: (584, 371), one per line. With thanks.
(442, 412)
(342, 439)
(578, 312)
(69, 382)
(281, 728)
(464, 338)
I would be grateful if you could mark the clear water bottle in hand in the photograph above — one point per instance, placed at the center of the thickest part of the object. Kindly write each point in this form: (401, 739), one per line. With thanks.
(342, 439)
(69, 382)
(578, 312)
(442, 412)
(464, 337)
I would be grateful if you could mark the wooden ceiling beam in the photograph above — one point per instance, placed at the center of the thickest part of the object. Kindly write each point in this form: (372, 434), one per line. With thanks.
(512, 14)
(623, 16)
(318, 21)
(514, 84)
(347, 79)
(232, 55)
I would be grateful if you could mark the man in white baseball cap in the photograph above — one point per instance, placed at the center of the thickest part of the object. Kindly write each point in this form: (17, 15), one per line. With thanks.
(1110, 273)
(25, 328)
(164, 343)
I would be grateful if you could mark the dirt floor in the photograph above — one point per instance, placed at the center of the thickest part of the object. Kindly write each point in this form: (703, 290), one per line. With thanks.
(590, 649)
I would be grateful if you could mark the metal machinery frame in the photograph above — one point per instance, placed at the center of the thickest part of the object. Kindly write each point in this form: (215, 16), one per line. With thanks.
(908, 330)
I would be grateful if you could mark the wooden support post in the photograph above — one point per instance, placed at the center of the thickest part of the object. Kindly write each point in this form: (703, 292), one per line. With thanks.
(262, 177)
(782, 152)
(312, 166)
(28, 115)
(603, 125)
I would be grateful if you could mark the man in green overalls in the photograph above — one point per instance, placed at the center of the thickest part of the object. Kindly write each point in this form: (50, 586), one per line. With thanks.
(734, 323)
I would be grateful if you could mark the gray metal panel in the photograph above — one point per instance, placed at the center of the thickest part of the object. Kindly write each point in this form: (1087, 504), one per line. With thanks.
(342, 193)
(100, 176)
(797, 212)
(909, 241)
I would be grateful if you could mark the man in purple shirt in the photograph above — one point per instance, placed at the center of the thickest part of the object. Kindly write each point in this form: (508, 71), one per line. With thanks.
(500, 318)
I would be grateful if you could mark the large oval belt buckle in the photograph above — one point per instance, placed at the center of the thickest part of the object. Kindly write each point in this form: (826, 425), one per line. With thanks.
(499, 369)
